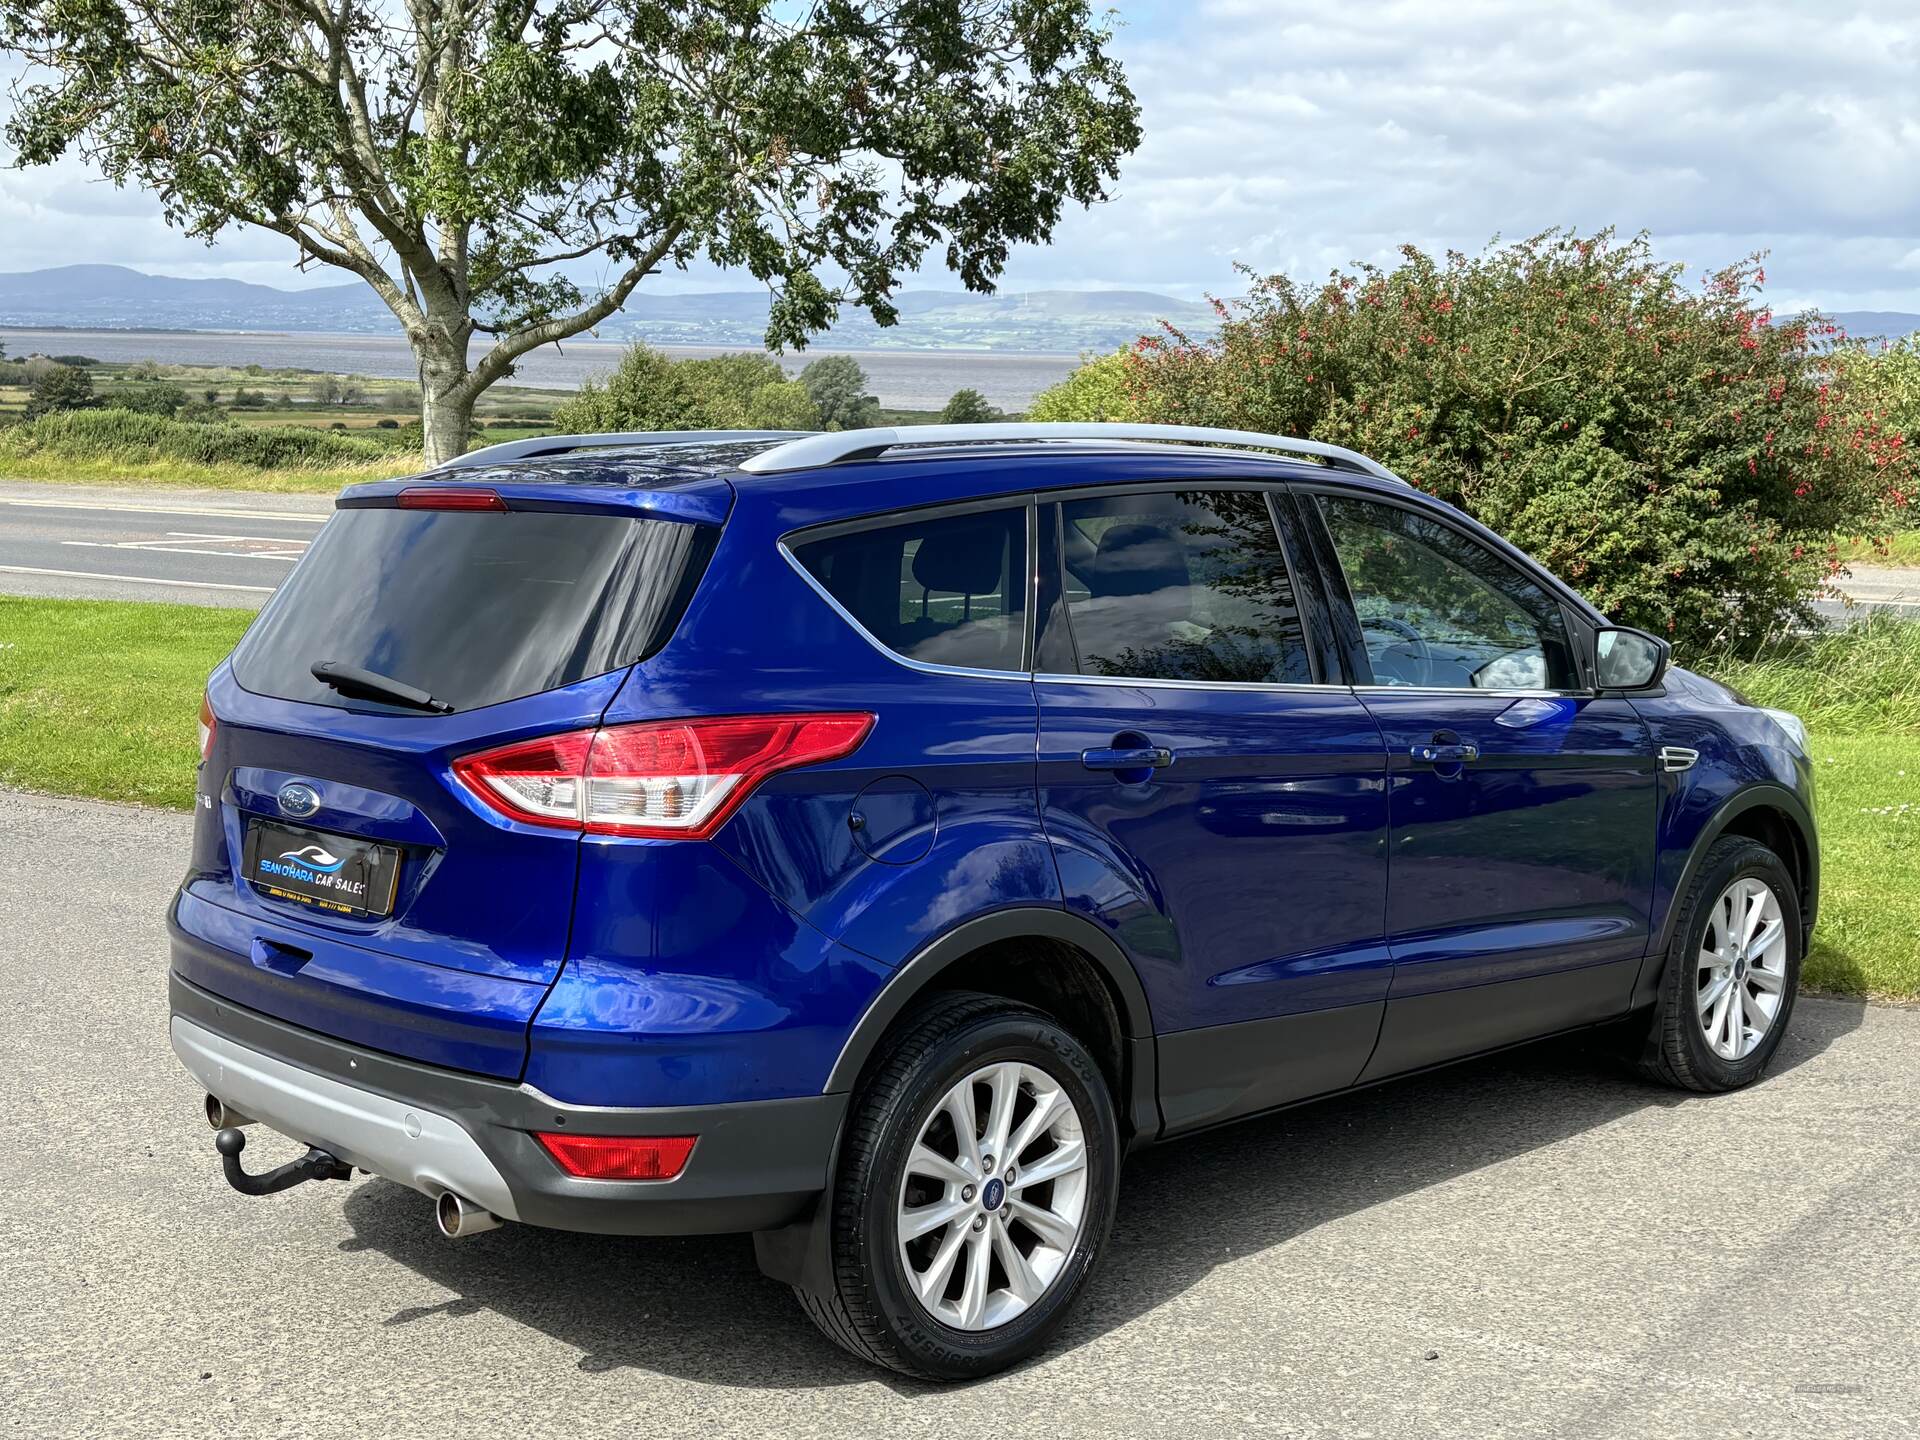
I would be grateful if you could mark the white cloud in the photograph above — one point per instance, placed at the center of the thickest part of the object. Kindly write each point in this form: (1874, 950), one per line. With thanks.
(1303, 134)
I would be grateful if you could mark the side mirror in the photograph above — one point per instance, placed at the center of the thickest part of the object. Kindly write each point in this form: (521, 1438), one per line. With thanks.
(1629, 659)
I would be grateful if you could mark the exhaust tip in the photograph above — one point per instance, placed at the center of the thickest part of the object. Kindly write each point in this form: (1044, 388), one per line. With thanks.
(456, 1218)
(222, 1116)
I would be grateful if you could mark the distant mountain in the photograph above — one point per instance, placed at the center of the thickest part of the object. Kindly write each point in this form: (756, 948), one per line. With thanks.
(112, 297)
(1876, 324)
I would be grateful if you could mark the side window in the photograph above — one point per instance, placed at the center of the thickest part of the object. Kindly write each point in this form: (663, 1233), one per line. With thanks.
(945, 590)
(1439, 610)
(1185, 585)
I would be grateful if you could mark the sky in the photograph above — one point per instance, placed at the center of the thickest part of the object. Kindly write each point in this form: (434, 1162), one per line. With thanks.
(1300, 135)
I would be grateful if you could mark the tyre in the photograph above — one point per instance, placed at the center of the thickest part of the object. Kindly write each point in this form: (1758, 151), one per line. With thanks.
(974, 1192)
(1731, 974)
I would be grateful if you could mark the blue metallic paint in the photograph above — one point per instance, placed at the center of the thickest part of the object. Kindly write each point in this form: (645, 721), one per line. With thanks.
(1247, 884)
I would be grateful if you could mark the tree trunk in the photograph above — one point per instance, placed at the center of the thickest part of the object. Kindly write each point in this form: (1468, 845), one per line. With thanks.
(446, 402)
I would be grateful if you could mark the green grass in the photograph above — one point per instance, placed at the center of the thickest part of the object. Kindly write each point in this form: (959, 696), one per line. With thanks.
(100, 698)
(1902, 548)
(1859, 692)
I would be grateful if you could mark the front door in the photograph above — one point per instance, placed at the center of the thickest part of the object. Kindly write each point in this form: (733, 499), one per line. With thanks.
(1521, 807)
(1211, 801)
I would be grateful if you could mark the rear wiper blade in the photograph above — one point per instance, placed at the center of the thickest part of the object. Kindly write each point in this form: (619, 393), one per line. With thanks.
(371, 685)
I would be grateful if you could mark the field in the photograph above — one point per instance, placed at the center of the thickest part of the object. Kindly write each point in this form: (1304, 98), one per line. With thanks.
(100, 698)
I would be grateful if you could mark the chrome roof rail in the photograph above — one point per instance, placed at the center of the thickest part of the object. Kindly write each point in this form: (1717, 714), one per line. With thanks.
(544, 445)
(845, 445)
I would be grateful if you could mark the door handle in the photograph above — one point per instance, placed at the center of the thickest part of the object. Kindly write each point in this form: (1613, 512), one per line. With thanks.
(1445, 754)
(1148, 757)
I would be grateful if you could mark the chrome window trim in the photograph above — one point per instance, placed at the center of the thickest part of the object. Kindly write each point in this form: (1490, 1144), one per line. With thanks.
(1471, 690)
(1245, 686)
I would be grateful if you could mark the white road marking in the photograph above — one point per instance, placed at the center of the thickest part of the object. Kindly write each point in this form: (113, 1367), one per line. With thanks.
(224, 512)
(133, 579)
(171, 547)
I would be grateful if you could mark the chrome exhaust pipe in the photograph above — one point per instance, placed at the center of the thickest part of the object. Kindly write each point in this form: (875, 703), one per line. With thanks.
(456, 1218)
(222, 1116)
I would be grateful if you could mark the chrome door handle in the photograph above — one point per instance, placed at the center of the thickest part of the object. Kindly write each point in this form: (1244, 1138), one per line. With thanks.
(1153, 757)
(1436, 754)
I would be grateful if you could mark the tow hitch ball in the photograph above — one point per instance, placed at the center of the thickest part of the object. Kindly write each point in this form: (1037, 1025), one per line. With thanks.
(316, 1164)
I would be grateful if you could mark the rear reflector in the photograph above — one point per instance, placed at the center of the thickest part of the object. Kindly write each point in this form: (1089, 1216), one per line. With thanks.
(436, 497)
(666, 780)
(618, 1157)
(207, 727)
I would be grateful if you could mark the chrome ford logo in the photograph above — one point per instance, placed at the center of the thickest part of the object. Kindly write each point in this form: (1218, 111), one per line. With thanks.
(298, 801)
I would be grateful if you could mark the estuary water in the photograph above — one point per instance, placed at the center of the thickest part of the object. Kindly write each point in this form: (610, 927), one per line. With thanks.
(907, 379)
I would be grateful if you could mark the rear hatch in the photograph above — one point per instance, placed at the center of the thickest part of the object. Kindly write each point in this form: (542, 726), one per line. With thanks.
(342, 878)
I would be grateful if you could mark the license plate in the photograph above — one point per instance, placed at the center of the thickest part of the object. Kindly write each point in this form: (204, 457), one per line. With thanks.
(327, 872)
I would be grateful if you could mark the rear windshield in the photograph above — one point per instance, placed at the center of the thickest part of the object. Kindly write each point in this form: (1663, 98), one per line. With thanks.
(474, 608)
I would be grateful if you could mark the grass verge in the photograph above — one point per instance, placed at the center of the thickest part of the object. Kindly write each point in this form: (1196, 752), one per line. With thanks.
(1902, 548)
(100, 698)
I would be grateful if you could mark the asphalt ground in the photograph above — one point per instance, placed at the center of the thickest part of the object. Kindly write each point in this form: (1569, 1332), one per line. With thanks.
(1528, 1245)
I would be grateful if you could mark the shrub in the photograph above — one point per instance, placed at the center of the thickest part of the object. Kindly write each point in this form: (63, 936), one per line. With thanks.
(1672, 452)
(74, 362)
(124, 436)
(162, 400)
(1098, 390)
(969, 407)
(386, 422)
(60, 387)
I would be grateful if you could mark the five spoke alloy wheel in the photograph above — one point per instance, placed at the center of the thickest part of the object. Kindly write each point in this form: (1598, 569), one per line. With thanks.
(994, 1196)
(1741, 977)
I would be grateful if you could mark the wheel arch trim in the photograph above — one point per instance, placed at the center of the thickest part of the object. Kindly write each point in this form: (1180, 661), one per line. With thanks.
(1742, 801)
(932, 960)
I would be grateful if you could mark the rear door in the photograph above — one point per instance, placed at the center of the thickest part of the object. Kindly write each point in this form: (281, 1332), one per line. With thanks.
(1521, 806)
(344, 879)
(1212, 800)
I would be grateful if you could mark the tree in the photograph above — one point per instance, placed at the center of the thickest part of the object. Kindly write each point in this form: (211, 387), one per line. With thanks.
(648, 391)
(60, 387)
(1670, 450)
(839, 389)
(461, 155)
(969, 407)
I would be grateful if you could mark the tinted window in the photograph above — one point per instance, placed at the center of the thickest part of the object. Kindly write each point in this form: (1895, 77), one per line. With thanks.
(1439, 609)
(475, 608)
(1182, 586)
(946, 590)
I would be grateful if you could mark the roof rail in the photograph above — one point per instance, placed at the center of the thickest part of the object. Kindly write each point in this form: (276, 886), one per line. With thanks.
(846, 445)
(540, 445)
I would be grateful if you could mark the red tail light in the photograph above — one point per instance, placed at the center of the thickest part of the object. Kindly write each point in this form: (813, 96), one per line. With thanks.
(619, 1157)
(674, 779)
(437, 497)
(207, 727)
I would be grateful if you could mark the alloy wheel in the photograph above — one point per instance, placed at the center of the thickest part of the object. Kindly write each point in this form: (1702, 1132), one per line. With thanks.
(1742, 968)
(994, 1197)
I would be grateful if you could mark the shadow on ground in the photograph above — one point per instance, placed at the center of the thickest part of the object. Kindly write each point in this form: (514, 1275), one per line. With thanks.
(698, 1308)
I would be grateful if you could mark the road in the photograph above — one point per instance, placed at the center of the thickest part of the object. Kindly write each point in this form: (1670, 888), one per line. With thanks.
(1530, 1245)
(223, 547)
(206, 547)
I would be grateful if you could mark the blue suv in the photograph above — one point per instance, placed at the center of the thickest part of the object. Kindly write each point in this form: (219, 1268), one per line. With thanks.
(866, 840)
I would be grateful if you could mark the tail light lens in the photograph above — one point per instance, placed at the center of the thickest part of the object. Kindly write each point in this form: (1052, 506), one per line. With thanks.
(438, 497)
(207, 727)
(618, 1157)
(675, 779)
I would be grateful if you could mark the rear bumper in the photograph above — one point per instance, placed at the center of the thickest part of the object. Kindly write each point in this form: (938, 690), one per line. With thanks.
(756, 1164)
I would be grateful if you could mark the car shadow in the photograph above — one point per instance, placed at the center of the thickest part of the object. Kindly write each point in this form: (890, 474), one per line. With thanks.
(698, 1308)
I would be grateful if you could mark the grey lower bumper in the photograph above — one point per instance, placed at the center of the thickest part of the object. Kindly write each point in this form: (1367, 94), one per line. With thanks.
(754, 1166)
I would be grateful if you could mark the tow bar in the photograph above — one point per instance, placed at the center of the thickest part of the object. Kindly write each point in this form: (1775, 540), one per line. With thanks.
(316, 1164)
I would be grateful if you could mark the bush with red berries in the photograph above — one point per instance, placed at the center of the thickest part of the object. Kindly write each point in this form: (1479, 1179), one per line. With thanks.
(1671, 451)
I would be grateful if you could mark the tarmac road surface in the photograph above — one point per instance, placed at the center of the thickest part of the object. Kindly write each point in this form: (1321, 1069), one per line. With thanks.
(1527, 1245)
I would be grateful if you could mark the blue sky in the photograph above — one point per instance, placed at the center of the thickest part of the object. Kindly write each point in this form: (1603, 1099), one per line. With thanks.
(1299, 135)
